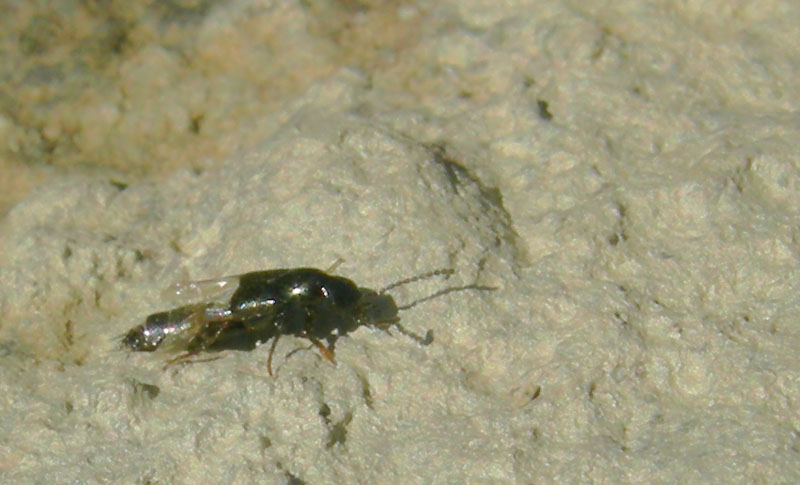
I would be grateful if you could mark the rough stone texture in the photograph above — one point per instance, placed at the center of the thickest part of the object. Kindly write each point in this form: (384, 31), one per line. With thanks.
(626, 174)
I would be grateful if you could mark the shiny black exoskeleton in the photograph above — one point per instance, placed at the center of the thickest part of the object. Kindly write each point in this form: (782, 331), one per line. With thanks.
(304, 302)
(309, 303)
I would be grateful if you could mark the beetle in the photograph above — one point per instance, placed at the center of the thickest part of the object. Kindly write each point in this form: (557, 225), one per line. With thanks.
(244, 311)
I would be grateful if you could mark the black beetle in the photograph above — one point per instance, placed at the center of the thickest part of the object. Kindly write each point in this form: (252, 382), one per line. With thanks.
(303, 302)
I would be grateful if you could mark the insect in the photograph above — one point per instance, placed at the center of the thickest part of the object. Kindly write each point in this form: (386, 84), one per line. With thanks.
(244, 311)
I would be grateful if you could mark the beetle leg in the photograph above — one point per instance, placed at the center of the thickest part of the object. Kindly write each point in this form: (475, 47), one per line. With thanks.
(179, 358)
(272, 351)
(324, 350)
(185, 356)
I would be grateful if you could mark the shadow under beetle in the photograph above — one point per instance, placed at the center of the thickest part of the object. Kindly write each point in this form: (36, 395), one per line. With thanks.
(303, 302)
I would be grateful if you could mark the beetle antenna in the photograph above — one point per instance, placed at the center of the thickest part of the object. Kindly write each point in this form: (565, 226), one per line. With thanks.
(446, 272)
(445, 291)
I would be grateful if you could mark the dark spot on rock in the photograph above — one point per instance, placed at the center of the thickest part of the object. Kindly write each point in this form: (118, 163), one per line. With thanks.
(544, 113)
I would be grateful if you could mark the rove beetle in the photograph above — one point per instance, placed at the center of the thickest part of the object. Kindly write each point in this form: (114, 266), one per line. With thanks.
(242, 312)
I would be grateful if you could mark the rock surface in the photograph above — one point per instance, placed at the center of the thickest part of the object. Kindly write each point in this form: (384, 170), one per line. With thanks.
(625, 175)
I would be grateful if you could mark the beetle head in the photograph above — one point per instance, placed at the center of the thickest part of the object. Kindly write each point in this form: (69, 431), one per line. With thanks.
(377, 307)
